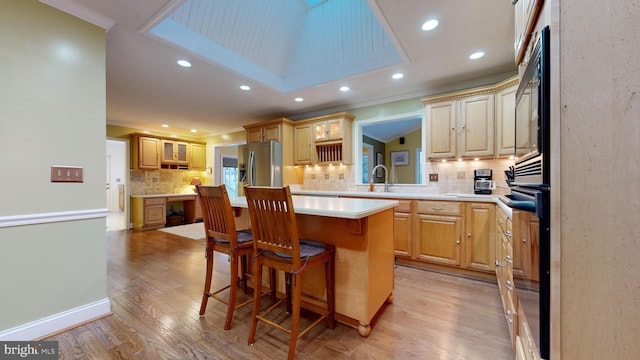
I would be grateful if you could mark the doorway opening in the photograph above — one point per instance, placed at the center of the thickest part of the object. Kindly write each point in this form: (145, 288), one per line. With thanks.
(116, 185)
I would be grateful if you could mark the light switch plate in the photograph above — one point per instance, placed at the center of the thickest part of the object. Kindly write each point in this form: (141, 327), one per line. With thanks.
(61, 173)
(433, 177)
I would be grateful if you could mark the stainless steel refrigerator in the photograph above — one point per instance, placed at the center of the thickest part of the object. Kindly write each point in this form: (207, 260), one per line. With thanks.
(259, 164)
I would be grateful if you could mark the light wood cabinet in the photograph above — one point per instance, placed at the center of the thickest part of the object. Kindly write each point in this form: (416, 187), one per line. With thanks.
(145, 152)
(480, 231)
(441, 130)
(280, 130)
(155, 152)
(504, 271)
(267, 131)
(526, 15)
(329, 129)
(439, 232)
(175, 152)
(148, 213)
(402, 225)
(463, 124)
(477, 126)
(198, 156)
(527, 341)
(461, 128)
(303, 144)
(505, 121)
(521, 244)
(330, 139)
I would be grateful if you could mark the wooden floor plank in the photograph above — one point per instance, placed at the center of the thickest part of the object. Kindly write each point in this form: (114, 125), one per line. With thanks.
(155, 282)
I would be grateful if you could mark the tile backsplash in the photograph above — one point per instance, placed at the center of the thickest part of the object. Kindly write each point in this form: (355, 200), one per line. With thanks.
(453, 177)
(163, 181)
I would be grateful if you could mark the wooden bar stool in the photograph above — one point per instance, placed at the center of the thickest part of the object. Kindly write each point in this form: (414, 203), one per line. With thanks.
(221, 234)
(277, 246)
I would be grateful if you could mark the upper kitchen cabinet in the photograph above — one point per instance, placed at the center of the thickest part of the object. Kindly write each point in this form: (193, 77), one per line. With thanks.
(463, 124)
(154, 152)
(526, 15)
(145, 152)
(198, 156)
(175, 152)
(477, 119)
(505, 119)
(269, 130)
(280, 130)
(303, 144)
(331, 138)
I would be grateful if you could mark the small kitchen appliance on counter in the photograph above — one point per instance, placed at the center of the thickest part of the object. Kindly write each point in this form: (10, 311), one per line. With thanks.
(483, 181)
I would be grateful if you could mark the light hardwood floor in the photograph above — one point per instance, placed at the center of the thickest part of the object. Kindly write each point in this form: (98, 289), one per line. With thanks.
(155, 284)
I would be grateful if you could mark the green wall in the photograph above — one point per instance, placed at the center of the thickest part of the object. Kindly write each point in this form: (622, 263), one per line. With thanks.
(52, 112)
(406, 174)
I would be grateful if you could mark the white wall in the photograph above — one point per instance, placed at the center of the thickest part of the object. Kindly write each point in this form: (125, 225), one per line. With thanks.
(52, 112)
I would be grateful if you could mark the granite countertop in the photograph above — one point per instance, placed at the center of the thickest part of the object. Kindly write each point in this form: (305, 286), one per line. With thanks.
(346, 208)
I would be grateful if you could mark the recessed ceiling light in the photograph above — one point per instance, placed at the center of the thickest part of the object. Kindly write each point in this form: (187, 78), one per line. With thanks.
(245, 87)
(299, 99)
(397, 76)
(165, 125)
(476, 55)
(194, 130)
(344, 88)
(430, 25)
(184, 63)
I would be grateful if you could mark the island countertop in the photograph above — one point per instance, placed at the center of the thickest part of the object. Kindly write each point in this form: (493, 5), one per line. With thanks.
(345, 208)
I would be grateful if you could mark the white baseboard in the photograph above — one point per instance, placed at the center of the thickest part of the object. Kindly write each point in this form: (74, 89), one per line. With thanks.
(57, 322)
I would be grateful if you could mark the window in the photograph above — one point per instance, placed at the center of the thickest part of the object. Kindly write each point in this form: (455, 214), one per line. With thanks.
(230, 174)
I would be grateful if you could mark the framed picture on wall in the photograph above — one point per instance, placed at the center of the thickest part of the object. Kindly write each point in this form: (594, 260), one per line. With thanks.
(400, 157)
(379, 160)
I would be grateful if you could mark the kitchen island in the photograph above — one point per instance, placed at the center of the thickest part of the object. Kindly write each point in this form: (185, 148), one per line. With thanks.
(362, 232)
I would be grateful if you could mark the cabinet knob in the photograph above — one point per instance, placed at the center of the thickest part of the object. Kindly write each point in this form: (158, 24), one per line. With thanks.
(524, 240)
(508, 285)
(508, 259)
(507, 233)
(457, 242)
(501, 221)
(469, 235)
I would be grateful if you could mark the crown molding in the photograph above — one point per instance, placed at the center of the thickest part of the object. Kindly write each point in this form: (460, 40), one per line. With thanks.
(82, 12)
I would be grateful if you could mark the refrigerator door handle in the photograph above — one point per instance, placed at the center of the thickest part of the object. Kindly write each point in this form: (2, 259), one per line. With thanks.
(251, 169)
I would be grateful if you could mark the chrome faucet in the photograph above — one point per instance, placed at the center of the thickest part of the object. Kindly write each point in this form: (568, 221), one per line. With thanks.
(386, 176)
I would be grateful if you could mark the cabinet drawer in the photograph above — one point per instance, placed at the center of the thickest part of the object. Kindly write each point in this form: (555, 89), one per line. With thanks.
(154, 201)
(503, 221)
(439, 207)
(403, 206)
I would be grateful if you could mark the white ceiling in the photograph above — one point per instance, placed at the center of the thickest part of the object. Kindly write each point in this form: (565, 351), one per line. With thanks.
(146, 88)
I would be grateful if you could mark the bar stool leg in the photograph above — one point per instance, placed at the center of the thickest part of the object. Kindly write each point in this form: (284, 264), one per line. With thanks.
(207, 281)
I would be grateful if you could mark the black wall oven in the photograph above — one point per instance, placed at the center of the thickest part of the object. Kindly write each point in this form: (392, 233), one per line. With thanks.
(531, 185)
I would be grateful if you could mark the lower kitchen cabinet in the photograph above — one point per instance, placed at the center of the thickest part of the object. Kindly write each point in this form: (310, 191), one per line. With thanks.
(148, 213)
(439, 232)
(479, 231)
(504, 272)
(402, 225)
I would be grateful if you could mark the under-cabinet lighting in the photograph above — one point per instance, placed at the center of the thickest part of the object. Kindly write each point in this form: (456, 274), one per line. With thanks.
(194, 130)
(476, 159)
(444, 160)
(164, 125)
(459, 159)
